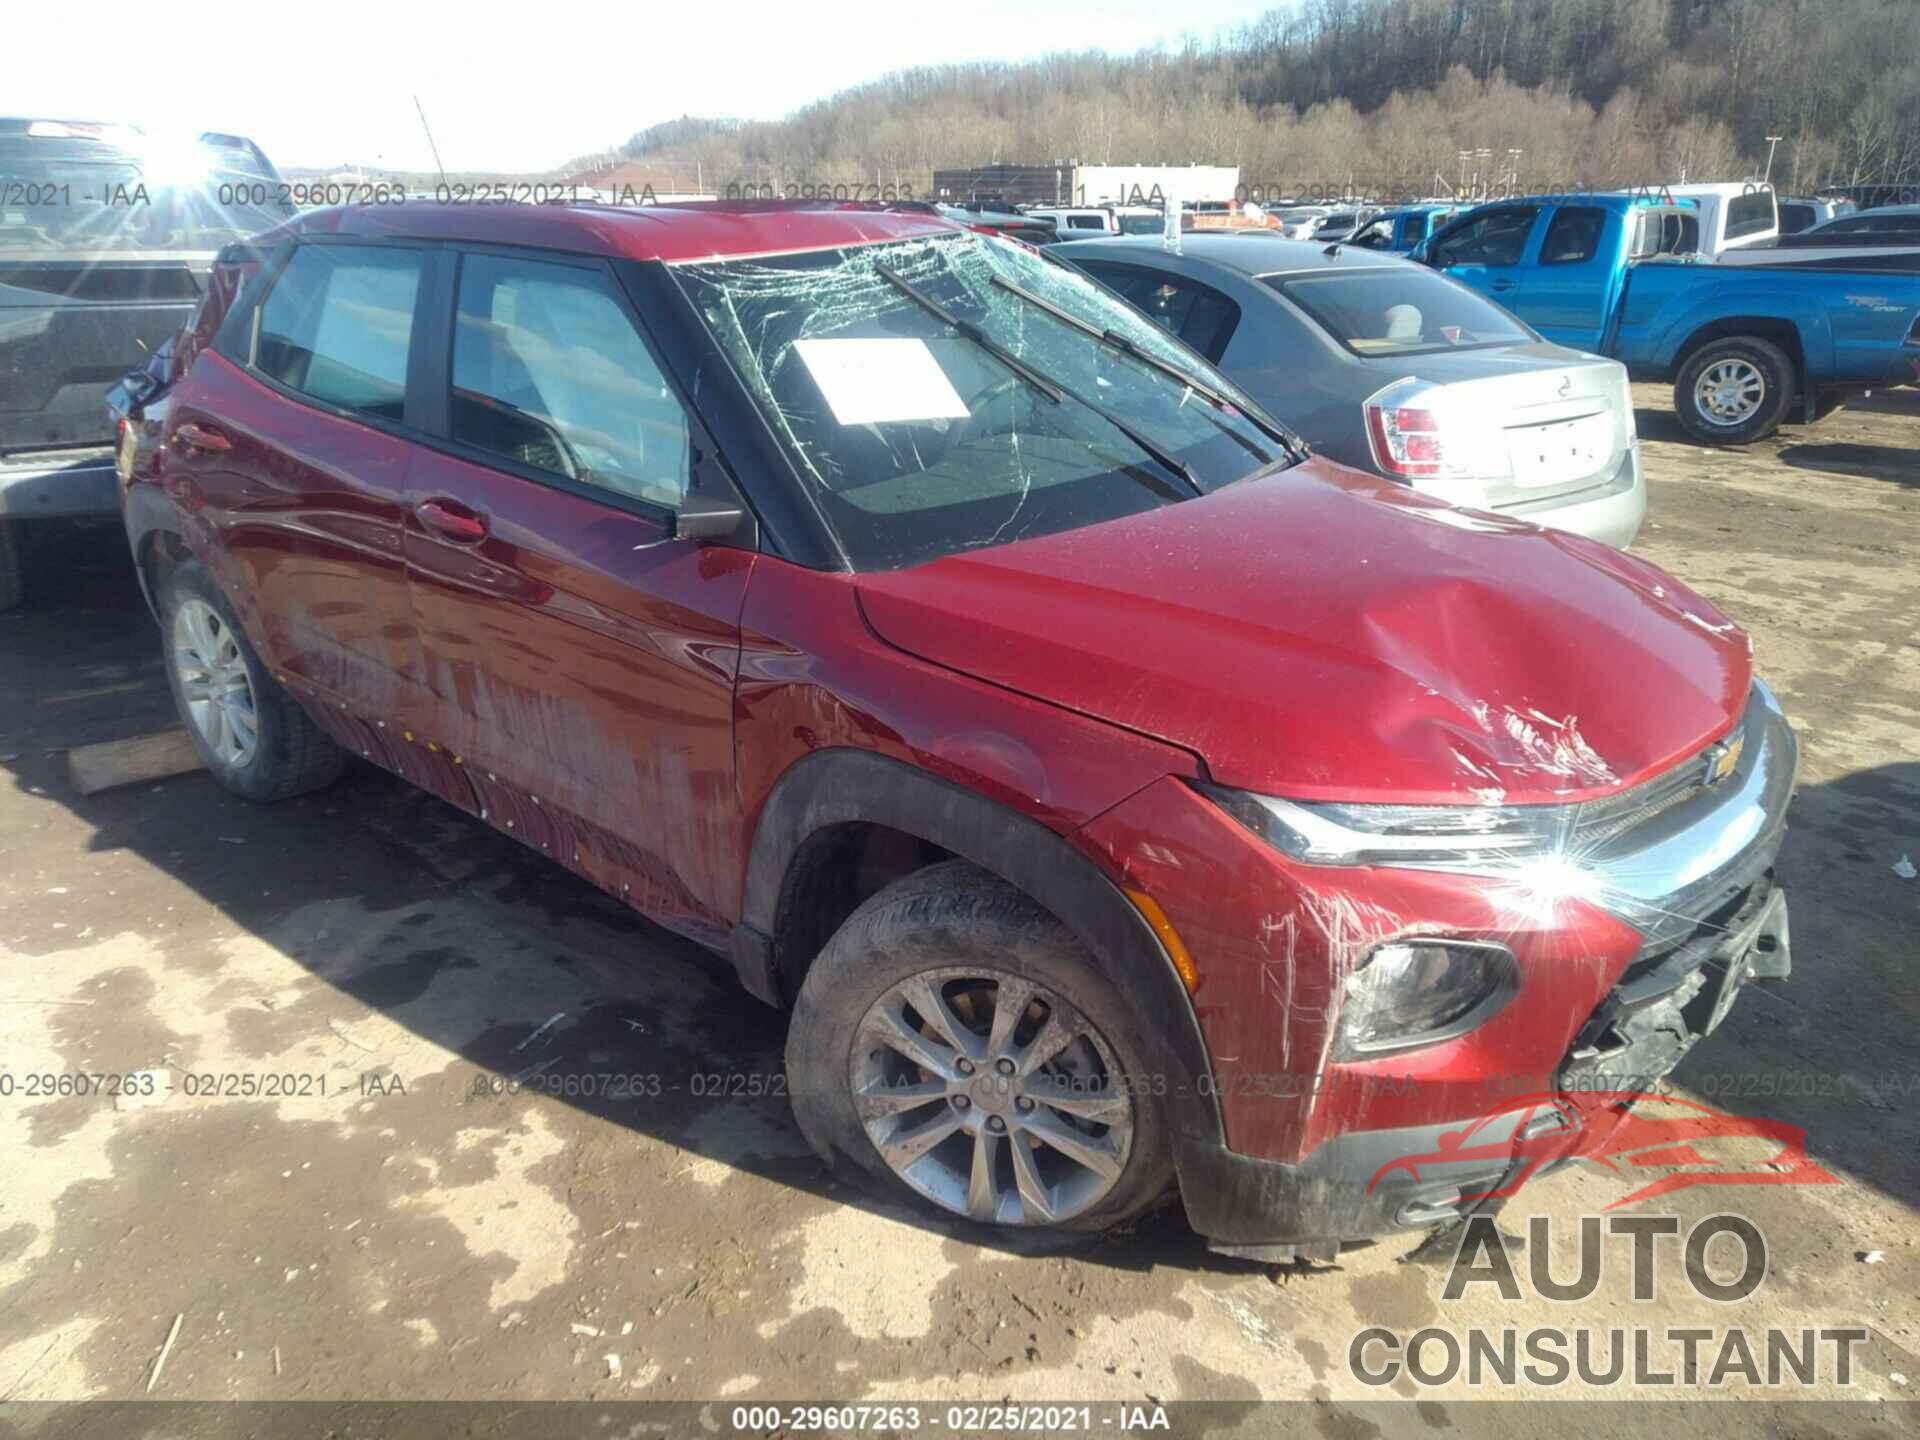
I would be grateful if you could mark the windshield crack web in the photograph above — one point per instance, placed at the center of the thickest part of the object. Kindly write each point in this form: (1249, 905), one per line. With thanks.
(930, 402)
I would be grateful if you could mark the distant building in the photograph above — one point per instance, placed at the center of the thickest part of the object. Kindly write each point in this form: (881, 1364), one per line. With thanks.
(1070, 183)
(1005, 185)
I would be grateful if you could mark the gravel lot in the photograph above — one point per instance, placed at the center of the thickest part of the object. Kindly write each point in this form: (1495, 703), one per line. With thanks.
(387, 1232)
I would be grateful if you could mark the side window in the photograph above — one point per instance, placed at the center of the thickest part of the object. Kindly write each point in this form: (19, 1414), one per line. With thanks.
(549, 371)
(1499, 238)
(337, 324)
(1750, 214)
(1573, 235)
(1198, 314)
(1376, 235)
(1085, 222)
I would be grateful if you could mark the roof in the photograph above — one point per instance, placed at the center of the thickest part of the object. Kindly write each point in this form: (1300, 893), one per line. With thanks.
(700, 231)
(1251, 252)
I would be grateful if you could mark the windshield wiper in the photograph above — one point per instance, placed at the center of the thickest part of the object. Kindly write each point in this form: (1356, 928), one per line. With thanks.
(974, 333)
(1285, 439)
(1052, 389)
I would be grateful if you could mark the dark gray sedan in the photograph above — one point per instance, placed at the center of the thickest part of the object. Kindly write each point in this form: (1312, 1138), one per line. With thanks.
(1386, 366)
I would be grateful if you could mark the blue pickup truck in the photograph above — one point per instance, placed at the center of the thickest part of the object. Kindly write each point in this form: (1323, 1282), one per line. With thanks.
(1747, 347)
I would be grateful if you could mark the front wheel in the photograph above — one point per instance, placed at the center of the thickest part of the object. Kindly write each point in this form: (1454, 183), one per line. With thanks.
(1734, 391)
(956, 1043)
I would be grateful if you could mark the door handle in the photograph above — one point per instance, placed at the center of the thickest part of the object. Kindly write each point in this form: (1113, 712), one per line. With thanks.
(201, 437)
(1501, 285)
(455, 524)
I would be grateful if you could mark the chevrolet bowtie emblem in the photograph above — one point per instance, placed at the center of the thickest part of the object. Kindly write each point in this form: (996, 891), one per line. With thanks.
(1724, 759)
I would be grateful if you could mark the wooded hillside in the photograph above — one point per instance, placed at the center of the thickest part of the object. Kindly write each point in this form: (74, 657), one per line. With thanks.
(1590, 92)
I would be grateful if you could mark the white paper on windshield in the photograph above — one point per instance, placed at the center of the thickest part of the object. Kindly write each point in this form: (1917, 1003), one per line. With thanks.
(870, 382)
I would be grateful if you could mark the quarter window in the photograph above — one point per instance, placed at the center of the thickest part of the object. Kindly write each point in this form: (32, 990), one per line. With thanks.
(1572, 236)
(338, 324)
(549, 371)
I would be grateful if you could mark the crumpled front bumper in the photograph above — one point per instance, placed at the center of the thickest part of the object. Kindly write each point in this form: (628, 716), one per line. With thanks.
(1697, 881)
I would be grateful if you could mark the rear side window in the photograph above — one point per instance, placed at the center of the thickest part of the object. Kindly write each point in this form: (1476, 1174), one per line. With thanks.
(1496, 239)
(1085, 222)
(1573, 235)
(1393, 310)
(338, 324)
(549, 371)
(1198, 314)
(1750, 214)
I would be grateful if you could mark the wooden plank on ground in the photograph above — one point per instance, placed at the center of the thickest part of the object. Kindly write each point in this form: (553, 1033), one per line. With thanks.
(94, 768)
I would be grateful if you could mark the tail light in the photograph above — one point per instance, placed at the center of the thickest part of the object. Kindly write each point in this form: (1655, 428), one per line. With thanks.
(1408, 440)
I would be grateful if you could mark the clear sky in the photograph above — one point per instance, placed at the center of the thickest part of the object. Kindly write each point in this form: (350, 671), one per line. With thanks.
(522, 86)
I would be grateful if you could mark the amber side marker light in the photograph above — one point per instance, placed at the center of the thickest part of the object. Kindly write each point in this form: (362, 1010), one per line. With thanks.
(1169, 937)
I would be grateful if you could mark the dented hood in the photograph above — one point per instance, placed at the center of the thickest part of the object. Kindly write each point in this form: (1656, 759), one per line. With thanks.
(1325, 635)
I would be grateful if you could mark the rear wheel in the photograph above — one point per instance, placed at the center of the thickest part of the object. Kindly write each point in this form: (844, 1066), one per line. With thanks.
(955, 1042)
(11, 586)
(254, 737)
(1734, 391)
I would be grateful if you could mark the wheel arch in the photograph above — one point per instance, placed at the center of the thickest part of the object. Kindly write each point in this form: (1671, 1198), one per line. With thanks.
(1774, 329)
(155, 537)
(830, 796)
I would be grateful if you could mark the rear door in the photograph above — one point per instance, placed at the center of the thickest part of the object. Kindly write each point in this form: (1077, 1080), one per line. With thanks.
(1485, 251)
(288, 448)
(582, 658)
(1568, 292)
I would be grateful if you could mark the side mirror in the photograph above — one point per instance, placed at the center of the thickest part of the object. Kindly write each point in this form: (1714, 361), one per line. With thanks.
(708, 517)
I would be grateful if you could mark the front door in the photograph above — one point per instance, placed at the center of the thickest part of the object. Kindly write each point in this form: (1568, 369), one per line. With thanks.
(1485, 251)
(582, 657)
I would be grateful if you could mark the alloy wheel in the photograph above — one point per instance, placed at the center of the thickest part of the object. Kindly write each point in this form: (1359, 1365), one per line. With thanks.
(214, 683)
(1730, 392)
(992, 1096)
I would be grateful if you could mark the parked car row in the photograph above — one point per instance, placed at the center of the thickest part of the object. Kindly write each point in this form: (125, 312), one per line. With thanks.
(1123, 799)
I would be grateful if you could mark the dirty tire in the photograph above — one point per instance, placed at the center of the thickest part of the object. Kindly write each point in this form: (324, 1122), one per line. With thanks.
(291, 755)
(955, 915)
(1760, 357)
(12, 587)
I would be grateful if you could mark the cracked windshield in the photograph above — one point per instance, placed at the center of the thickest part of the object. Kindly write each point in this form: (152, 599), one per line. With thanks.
(945, 394)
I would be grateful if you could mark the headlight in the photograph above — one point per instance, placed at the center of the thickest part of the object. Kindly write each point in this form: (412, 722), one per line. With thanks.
(1418, 992)
(1427, 837)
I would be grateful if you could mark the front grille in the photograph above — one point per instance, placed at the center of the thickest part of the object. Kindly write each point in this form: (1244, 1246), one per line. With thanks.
(1601, 821)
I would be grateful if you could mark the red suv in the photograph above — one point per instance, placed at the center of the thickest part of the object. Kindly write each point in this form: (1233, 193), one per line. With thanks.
(1118, 796)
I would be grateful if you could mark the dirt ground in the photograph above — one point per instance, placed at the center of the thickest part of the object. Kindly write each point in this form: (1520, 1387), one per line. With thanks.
(391, 1232)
